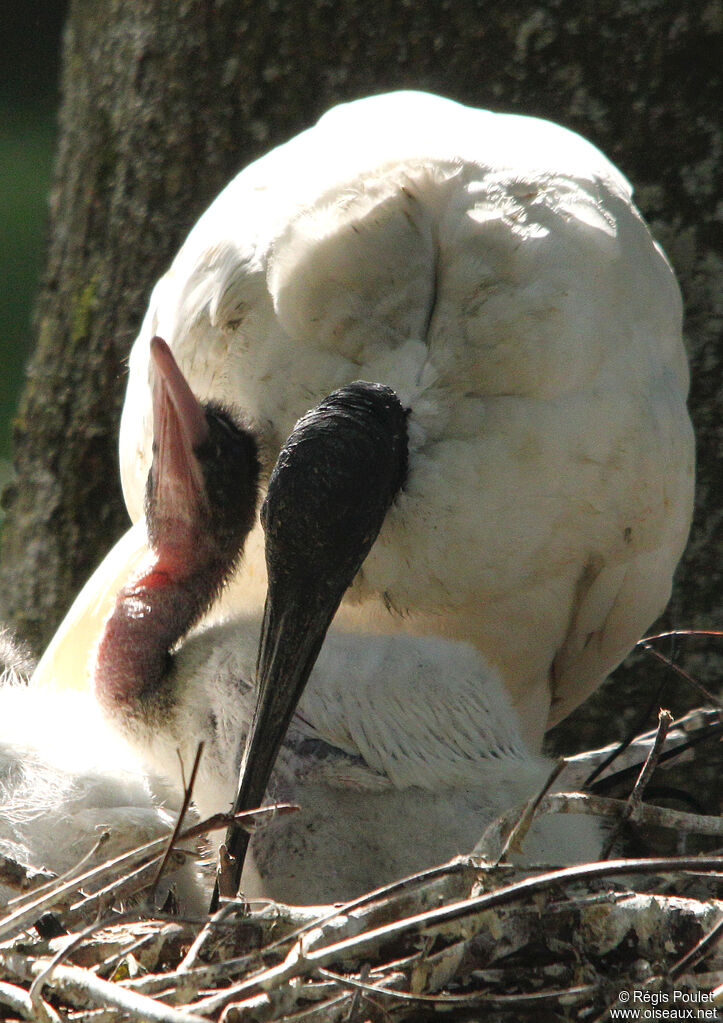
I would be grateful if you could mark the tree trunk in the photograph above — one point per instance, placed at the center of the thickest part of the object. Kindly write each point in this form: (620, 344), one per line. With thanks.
(165, 99)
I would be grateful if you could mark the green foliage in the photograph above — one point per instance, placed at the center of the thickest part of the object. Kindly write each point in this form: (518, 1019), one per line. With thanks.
(26, 141)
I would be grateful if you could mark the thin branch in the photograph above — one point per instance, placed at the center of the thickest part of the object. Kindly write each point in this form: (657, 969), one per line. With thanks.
(708, 733)
(19, 1001)
(247, 818)
(189, 960)
(81, 987)
(324, 915)
(519, 831)
(67, 950)
(472, 1000)
(26, 914)
(75, 872)
(665, 719)
(126, 886)
(645, 643)
(187, 795)
(679, 632)
(681, 673)
(604, 806)
(629, 739)
(701, 949)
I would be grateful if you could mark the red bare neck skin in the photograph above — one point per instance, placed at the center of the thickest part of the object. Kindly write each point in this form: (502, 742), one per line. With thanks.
(150, 615)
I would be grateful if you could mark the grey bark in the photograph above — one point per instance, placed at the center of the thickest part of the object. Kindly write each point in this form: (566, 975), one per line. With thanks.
(165, 99)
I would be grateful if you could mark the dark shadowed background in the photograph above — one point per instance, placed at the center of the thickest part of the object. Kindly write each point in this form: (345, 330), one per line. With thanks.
(28, 106)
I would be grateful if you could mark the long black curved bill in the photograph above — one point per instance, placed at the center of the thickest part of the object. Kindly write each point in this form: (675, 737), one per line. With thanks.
(328, 495)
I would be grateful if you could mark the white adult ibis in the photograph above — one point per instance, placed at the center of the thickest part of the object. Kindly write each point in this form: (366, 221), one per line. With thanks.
(402, 748)
(493, 271)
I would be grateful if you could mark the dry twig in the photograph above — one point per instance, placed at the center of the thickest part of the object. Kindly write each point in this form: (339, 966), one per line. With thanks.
(665, 719)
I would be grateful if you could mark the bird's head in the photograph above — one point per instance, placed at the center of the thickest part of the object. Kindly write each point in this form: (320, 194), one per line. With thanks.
(201, 499)
(202, 488)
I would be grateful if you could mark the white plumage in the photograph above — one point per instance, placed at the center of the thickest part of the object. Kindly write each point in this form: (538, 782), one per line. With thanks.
(402, 751)
(386, 787)
(494, 271)
(66, 778)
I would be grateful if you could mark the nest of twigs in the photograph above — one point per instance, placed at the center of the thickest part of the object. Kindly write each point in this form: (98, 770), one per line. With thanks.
(469, 940)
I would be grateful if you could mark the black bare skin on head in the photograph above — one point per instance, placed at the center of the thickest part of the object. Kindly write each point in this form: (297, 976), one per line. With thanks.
(230, 466)
(328, 495)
